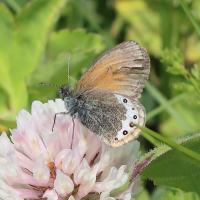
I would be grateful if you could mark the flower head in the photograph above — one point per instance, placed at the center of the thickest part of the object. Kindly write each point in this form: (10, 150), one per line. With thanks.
(68, 163)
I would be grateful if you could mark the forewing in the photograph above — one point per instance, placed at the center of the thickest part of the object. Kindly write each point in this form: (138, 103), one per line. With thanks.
(123, 69)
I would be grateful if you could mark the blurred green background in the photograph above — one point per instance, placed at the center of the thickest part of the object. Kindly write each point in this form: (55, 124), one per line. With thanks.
(36, 37)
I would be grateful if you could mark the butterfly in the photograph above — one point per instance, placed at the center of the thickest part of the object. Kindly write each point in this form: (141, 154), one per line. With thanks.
(105, 100)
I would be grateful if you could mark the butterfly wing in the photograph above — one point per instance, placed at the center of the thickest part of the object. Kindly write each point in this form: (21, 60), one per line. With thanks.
(123, 69)
(112, 117)
(110, 88)
(135, 115)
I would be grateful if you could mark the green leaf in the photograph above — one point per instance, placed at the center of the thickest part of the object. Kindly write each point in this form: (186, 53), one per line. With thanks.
(173, 59)
(184, 87)
(22, 43)
(142, 19)
(175, 194)
(83, 48)
(189, 109)
(10, 124)
(169, 167)
(77, 40)
(13, 4)
(158, 192)
(191, 17)
(20, 3)
(143, 196)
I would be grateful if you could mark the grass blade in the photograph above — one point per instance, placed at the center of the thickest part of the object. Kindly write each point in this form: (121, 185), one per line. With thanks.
(164, 102)
(191, 17)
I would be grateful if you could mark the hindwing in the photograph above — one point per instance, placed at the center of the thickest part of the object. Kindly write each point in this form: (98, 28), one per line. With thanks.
(112, 117)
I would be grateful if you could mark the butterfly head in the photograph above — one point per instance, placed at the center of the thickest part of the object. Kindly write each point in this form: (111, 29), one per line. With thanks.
(63, 91)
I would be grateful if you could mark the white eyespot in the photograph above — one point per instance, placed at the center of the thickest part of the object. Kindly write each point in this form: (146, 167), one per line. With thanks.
(125, 100)
(134, 116)
(125, 132)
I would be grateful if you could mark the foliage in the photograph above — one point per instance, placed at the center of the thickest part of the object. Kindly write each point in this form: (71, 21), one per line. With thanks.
(171, 168)
(36, 37)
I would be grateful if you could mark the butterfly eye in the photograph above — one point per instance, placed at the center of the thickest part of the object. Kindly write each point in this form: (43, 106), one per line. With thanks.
(134, 116)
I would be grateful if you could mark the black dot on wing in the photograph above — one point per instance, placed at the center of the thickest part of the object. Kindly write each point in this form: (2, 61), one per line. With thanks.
(133, 108)
(131, 124)
(116, 138)
(134, 116)
(125, 100)
(125, 132)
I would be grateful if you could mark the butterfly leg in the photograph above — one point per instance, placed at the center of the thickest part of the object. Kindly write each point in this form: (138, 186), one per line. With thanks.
(54, 121)
(72, 132)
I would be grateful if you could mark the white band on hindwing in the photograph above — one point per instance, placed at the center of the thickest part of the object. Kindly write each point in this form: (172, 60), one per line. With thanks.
(133, 115)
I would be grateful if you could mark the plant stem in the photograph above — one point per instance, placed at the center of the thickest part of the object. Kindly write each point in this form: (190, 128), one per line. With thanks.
(195, 157)
(189, 77)
(151, 139)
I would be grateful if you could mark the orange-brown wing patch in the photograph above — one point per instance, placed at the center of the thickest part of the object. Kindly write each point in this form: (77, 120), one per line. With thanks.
(123, 69)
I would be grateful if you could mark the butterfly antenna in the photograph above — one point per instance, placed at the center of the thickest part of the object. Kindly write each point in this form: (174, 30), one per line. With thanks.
(68, 67)
(48, 84)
